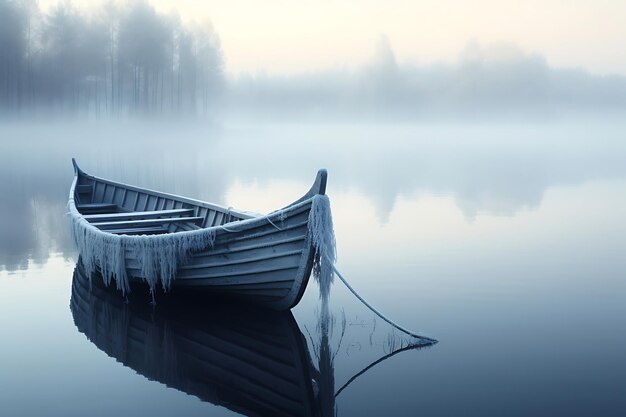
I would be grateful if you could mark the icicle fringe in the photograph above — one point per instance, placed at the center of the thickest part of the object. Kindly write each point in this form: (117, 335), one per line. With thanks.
(322, 237)
(158, 256)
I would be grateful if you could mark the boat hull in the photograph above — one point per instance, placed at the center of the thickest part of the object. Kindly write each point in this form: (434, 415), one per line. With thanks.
(262, 259)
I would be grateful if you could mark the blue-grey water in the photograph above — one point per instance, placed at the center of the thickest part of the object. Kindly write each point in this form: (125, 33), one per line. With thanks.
(506, 242)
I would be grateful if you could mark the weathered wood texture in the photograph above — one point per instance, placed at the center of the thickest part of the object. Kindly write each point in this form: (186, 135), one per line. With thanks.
(267, 260)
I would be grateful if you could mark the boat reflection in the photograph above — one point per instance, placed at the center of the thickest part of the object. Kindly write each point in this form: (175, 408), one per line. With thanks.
(250, 360)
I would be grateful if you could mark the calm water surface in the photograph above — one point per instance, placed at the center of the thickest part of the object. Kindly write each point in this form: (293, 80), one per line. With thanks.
(506, 242)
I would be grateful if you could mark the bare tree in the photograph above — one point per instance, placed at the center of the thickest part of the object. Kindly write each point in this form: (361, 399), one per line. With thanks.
(122, 59)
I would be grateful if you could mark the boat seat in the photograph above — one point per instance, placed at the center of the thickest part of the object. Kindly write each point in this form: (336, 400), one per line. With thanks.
(138, 215)
(187, 226)
(139, 231)
(145, 222)
(97, 208)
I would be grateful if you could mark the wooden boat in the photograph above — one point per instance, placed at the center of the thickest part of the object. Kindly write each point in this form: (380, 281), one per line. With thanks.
(250, 360)
(266, 259)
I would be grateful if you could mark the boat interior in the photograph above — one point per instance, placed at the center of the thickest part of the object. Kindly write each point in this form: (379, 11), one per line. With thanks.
(123, 209)
(127, 210)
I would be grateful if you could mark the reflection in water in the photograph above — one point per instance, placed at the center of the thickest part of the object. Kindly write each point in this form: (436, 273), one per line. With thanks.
(490, 289)
(325, 375)
(31, 216)
(35, 174)
(249, 360)
(325, 351)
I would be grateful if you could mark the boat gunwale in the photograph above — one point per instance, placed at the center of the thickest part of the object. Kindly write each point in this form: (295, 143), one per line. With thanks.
(204, 204)
(242, 225)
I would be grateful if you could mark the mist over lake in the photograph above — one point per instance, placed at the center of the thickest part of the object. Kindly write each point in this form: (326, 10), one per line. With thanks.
(445, 227)
(478, 199)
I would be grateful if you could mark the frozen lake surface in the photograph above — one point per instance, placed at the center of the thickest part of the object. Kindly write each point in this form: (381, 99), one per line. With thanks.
(505, 242)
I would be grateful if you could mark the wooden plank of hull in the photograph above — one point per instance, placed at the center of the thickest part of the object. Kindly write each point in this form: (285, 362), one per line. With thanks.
(299, 215)
(234, 275)
(262, 236)
(226, 260)
(269, 237)
(242, 280)
(276, 284)
(250, 361)
(240, 261)
(253, 250)
(272, 283)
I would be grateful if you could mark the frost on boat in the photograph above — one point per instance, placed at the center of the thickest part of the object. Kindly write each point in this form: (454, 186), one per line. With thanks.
(128, 234)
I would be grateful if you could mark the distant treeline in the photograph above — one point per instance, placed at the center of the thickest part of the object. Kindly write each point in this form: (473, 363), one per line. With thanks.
(486, 82)
(111, 61)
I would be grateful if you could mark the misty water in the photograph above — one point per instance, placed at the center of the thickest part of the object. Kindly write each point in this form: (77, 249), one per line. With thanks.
(506, 242)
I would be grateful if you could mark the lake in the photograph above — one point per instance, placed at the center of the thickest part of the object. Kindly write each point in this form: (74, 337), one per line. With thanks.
(506, 242)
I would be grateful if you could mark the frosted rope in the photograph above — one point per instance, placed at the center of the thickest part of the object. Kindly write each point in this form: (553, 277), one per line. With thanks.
(378, 313)
(322, 237)
(272, 223)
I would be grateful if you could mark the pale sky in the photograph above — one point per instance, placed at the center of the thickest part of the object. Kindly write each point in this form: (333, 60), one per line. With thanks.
(286, 36)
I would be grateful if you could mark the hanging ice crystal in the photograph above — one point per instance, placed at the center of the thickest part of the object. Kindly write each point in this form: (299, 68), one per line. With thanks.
(158, 256)
(322, 237)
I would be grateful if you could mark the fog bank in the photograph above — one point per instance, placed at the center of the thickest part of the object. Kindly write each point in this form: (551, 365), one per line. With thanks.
(486, 82)
(126, 60)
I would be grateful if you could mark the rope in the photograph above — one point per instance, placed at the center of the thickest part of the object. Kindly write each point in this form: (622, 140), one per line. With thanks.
(272, 223)
(329, 259)
(266, 217)
(378, 313)
(379, 360)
